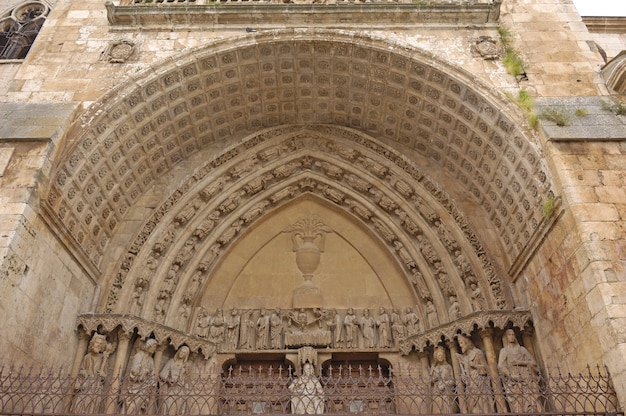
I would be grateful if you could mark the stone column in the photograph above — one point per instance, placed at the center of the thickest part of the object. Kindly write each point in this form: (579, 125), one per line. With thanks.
(425, 406)
(83, 341)
(424, 365)
(527, 338)
(456, 367)
(121, 356)
(490, 353)
(158, 357)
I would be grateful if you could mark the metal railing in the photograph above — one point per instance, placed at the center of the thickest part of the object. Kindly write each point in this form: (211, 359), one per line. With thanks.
(341, 390)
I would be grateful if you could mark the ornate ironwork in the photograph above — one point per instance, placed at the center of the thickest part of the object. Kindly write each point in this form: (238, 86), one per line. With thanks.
(346, 390)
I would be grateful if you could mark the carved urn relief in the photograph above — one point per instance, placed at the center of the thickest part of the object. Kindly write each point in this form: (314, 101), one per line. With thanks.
(308, 237)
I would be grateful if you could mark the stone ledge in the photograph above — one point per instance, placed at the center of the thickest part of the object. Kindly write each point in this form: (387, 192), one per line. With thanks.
(257, 14)
(33, 121)
(599, 122)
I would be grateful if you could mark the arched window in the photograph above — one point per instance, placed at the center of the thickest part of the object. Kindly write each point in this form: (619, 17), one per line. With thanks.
(19, 28)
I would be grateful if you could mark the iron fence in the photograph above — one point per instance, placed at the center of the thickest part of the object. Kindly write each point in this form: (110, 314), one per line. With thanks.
(246, 391)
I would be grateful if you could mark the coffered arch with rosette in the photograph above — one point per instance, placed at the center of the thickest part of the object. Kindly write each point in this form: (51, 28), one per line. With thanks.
(433, 142)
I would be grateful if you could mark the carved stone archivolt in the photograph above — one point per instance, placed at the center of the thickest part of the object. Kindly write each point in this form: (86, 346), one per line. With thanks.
(404, 98)
(401, 201)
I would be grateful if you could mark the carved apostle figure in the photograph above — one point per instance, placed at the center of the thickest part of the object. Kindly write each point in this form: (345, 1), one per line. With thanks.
(411, 322)
(90, 380)
(334, 324)
(384, 333)
(172, 383)
(442, 382)
(454, 311)
(478, 396)
(307, 393)
(367, 323)
(217, 327)
(398, 331)
(477, 298)
(276, 330)
(140, 380)
(519, 372)
(262, 330)
(431, 314)
(232, 330)
(349, 329)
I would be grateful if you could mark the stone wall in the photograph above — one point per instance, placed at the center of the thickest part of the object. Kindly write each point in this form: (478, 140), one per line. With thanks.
(43, 288)
(573, 284)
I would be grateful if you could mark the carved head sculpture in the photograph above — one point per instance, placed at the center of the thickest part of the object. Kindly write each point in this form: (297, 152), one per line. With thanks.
(307, 369)
(150, 345)
(439, 355)
(183, 353)
(509, 337)
(465, 343)
(97, 343)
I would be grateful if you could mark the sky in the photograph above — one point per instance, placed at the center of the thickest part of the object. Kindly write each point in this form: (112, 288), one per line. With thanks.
(601, 7)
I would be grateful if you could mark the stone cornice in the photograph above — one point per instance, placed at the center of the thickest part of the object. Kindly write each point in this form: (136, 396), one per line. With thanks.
(257, 14)
(466, 325)
(107, 323)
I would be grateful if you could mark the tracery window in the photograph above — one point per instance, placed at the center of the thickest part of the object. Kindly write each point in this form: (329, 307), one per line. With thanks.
(19, 28)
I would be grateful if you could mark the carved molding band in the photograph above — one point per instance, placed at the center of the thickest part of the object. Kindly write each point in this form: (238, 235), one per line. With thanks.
(318, 328)
(129, 324)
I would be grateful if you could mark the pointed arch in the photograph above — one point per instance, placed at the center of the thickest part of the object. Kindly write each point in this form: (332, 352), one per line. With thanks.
(365, 180)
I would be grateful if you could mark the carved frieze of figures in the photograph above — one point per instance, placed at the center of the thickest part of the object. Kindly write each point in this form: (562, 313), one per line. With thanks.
(417, 279)
(210, 191)
(187, 213)
(411, 322)
(231, 336)
(454, 311)
(358, 183)
(427, 250)
(257, 184)
(358, 209)
(384, 329)
(166, 240)
(367, 325)
(431, 314)
(477, 299)
(398, 330)
(254, 211)
(207, 225)
(444, 233)
(404, 255)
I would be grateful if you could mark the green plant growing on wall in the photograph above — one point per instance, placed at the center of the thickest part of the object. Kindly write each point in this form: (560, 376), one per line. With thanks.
(615, 107)
(512, 61)
(525, 101)
(548, 207)
(560, 117)
(580, 112)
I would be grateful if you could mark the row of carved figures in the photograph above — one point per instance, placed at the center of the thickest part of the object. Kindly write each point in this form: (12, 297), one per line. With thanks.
(277, 329)
(469, 378)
